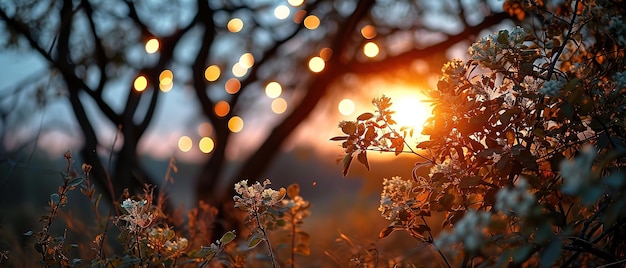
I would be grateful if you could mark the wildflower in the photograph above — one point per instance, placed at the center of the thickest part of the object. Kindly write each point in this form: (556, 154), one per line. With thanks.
(552, 88)
(255, 196)
(176, 246)
(297, 207)
(517, 200)
(470, 231)
(138, 216)
(576, 173)
(394, 197)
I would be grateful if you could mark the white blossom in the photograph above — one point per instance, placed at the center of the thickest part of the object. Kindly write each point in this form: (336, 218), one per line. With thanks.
(470, 231)
(255, 196)
(515, 201)
(576, 173)
(394, 197)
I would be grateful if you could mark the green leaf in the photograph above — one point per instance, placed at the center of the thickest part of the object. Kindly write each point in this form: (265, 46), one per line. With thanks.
(228, 237)
(255, 239)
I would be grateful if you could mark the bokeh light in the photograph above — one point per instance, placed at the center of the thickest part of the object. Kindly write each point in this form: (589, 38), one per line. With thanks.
(298, 17)
(206, 145)
(235, 124)
(238, 70)
(326, 53)
(273, 89)
(311, 22)
(295, 3)
(368, 32)
(232, 86)
(235, 25)
(316, 64)
(222, 108)
(212, 73)
(166, 80)
(141, 83)
(152, 45)
(246, 60)
(185, 143)
(281, 12)
(279, 105)
(371, 49)
(205, 129)
(346, 107)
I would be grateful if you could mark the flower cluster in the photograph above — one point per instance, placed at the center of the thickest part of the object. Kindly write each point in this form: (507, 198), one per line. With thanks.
(470, 231)
(395, 197)
(453, 70)
(138, 215)
(490, 49)
(552, 88)
(253, 197)
(577, 173)
(515, 201)
(298, 207)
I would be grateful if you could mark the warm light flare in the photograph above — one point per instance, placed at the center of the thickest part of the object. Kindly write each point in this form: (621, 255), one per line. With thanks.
(232, 86)
(246, 60)
(222, 108)
(316, 64)
(279, 105)
(281, 12)
(346, 107)
(311, 22)
(152, 46)
(235, 124)
(212, 73)
(368, 31)
(295, 3)
(235, 25)
(238, 70)
(185, 143)
(273, 89)
(371, 49)
(206, 145)
(141, 83)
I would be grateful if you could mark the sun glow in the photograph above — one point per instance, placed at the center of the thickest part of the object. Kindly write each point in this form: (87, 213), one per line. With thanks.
(411, 109)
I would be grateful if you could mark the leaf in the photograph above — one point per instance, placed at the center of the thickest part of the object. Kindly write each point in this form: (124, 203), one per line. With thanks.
(348, 127)
(365, 116)
(362, 157)
(468, 182)
(255, 239)
(386, 231)
(346, 164)
(75, 182)
(339, 138)
(228, 237)
(29, 233)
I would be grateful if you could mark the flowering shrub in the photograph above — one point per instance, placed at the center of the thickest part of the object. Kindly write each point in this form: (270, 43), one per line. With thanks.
(526, 145)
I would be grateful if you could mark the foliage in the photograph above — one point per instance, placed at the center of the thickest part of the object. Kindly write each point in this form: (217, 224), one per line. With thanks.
(526, 145)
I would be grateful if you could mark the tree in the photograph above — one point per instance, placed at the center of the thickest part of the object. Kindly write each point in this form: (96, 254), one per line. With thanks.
(525, 155)
(93, 47)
